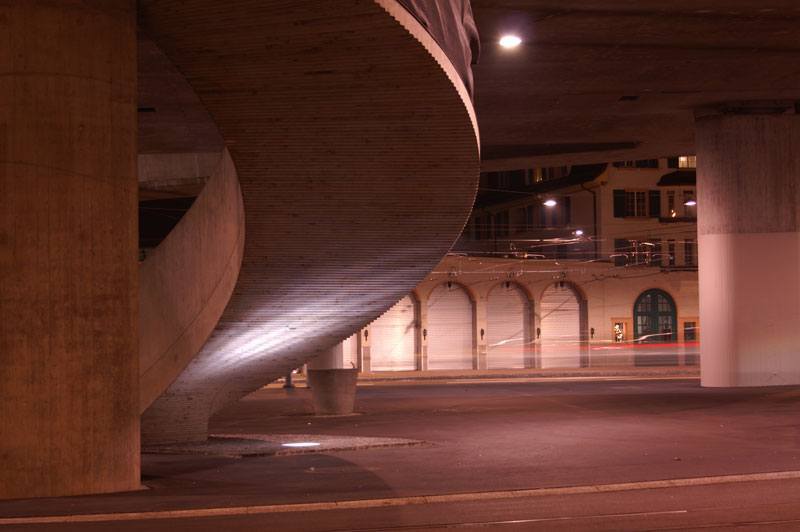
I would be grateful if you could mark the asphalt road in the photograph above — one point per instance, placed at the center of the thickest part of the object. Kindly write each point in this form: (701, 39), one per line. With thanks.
(485, 438)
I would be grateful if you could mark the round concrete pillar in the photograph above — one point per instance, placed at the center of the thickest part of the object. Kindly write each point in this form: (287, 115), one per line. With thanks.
(69, 420)
(333, 386)
(748, 183)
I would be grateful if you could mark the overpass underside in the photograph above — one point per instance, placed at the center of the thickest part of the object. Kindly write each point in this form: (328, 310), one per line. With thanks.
(335, 150)
(347, 164)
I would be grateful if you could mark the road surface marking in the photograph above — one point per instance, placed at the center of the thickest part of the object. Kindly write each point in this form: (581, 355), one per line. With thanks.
(397, 501)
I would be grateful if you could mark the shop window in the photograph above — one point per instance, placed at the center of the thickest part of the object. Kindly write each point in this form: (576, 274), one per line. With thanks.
(619, 331)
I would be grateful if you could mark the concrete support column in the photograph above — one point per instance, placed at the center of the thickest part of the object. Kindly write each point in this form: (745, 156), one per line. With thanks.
(748, 183)
(333, 384)
(69, 419)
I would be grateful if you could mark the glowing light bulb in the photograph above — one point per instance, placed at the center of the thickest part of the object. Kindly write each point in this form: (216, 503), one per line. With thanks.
(579, 232)
(510, 41)
(690, 203)
(550, 203)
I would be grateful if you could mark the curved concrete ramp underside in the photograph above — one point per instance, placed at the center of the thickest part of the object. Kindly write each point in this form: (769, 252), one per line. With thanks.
(356, 150)
(187, 281)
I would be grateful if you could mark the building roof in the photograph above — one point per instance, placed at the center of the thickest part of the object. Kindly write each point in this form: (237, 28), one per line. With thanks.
(578, 174)
(678, 178)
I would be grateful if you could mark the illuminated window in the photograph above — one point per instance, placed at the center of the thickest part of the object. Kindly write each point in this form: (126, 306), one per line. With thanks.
(619, 332)
(687, 161)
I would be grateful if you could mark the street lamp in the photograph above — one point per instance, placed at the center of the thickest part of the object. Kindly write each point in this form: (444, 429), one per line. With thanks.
(510, 41)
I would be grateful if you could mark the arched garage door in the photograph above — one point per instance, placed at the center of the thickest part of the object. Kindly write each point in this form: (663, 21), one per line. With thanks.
(450, 343)
(392, 338)
(507, 327)
(560, 324)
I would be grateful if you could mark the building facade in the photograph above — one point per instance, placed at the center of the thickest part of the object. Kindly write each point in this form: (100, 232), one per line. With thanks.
(563, 267)
(479, 313)
(629, 212)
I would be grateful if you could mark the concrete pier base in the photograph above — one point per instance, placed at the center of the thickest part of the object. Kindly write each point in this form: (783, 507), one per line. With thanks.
(333, 387)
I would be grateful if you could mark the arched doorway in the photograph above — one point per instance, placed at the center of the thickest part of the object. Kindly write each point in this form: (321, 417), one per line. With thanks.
(450, 326)
(655, 322)
(560, 327)
(393, 338)
(507, 327)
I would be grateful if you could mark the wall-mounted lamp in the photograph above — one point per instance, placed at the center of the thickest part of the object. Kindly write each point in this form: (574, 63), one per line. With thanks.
(591, 332)
(424, 333)
(538, 332)
(366, 334)
(482, 333)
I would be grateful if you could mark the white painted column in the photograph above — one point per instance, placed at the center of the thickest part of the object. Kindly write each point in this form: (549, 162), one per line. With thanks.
(748, 182)
(332, 358)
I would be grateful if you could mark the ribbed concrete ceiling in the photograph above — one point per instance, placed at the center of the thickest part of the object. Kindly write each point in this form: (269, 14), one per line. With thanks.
(606, 80)
(594, 80)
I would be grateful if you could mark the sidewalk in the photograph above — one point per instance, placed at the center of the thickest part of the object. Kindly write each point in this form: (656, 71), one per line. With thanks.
(511, 375)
